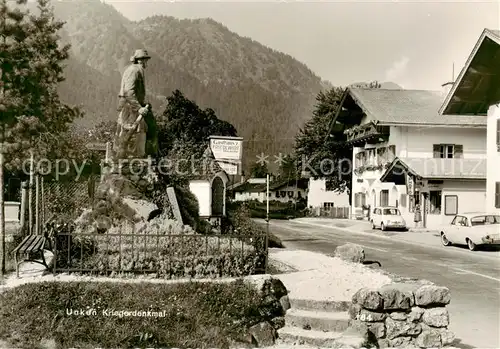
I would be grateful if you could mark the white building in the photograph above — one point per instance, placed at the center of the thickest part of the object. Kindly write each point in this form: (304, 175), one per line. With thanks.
(405, 154)
(319, 196)
(282, 191)
(477, 92)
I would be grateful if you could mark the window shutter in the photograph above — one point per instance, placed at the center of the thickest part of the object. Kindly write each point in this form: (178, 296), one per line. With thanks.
(497, 195)
(498, 134)
(436, 150)
(459, 151)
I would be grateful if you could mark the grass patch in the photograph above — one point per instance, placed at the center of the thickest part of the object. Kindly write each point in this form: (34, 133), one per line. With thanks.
(199, 315)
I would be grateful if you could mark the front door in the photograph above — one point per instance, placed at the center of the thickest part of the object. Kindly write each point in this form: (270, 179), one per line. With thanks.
(425, 204)
(217, 197)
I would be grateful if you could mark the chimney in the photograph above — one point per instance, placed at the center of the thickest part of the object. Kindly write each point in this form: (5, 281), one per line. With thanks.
(446, 87)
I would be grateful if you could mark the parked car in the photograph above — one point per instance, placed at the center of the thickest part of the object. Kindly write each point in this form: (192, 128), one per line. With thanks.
(387, 218)
(473, 230)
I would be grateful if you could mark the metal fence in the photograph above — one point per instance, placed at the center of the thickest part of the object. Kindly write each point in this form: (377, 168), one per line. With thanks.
(163, 254)
(68, 198)
(331, 212)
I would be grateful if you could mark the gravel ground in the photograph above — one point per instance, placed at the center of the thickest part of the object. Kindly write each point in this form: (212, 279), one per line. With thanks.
(320, 277)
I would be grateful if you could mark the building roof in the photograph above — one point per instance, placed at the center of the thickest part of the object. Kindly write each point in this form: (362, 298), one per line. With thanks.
(408, 107)
(478, 84)
(260, 187)
(250, 188)
(206, 167)
(432, 168)
(302, 183)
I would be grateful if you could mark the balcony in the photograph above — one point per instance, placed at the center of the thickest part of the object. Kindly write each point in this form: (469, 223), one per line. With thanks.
(374, 161)
(372, 169)
(367, 133)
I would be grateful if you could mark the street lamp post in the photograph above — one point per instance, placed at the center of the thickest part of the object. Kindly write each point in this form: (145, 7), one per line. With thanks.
(267, 222)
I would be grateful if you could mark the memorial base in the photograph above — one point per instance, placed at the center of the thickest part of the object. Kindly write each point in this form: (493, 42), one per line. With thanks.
(121, 195)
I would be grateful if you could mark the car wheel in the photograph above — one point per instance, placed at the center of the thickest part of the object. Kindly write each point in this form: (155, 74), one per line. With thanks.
(382, 226)
(444, 240)
(472, 246)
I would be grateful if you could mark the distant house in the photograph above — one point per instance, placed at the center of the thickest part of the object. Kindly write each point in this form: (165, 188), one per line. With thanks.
(319, 196)
(405, 154)
(283, 191)
(477, 92)
(289, 190)
(249, 191)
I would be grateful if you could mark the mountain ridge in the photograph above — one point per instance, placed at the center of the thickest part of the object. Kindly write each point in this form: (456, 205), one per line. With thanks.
(267, 95)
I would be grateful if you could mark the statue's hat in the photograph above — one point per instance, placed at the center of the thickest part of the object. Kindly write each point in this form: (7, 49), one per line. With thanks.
(140, 54)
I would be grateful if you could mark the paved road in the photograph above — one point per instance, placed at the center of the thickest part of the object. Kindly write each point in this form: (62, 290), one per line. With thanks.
(472, 277)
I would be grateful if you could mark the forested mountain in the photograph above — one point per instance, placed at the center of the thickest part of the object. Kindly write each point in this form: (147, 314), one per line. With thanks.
(265, 94)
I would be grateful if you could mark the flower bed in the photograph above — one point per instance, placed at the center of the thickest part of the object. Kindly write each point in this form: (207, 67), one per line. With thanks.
(161, 247)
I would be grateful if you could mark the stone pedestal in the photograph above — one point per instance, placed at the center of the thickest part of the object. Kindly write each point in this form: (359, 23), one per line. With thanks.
(121, 194)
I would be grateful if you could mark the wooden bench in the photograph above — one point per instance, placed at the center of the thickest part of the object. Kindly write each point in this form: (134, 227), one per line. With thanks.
(31, 245)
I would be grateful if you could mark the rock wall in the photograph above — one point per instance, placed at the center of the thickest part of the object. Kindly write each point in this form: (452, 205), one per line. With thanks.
(403, 314)
(274, 304)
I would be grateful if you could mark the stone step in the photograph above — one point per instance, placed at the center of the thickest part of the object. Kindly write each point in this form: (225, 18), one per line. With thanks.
(317, 320)
(327, 306)
(295, 335)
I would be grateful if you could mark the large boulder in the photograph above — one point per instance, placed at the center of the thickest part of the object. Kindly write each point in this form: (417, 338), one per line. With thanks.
(120, 196)
(436, 317)
(264, 334)
(350, 253)
(397, 328)
(429, 338)
(368, 299)
(432, 295)
(397, 296)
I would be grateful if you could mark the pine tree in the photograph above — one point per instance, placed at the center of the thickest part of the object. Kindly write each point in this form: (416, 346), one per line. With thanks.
(32, 57)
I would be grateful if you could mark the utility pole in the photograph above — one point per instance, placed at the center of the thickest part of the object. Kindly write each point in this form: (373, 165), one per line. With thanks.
(267, 223)
(2, 211)
(2, 203)
(30, 193)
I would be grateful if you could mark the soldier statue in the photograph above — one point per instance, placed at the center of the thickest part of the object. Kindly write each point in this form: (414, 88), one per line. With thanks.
(132, 130)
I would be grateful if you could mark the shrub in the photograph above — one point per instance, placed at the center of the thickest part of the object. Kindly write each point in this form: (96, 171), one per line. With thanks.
(198, 315)
(246, 227)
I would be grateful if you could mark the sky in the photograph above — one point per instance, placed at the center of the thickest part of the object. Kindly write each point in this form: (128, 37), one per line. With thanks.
(412, 43)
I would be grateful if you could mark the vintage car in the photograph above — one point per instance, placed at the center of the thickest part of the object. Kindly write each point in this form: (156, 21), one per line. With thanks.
(387, 218)
(473, 230)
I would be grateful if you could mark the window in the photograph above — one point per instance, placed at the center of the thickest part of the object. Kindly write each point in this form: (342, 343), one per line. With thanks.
(478, 220)
(391, 212)
(360, 159)
(460, 221)
(370, 158)
(497, 195)
(391, 152)
(384, 198)
(498, 135)
(450, 205)
(328, 204)
(435, 202)
(359, 199)
(485, 220)
(447, 151)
